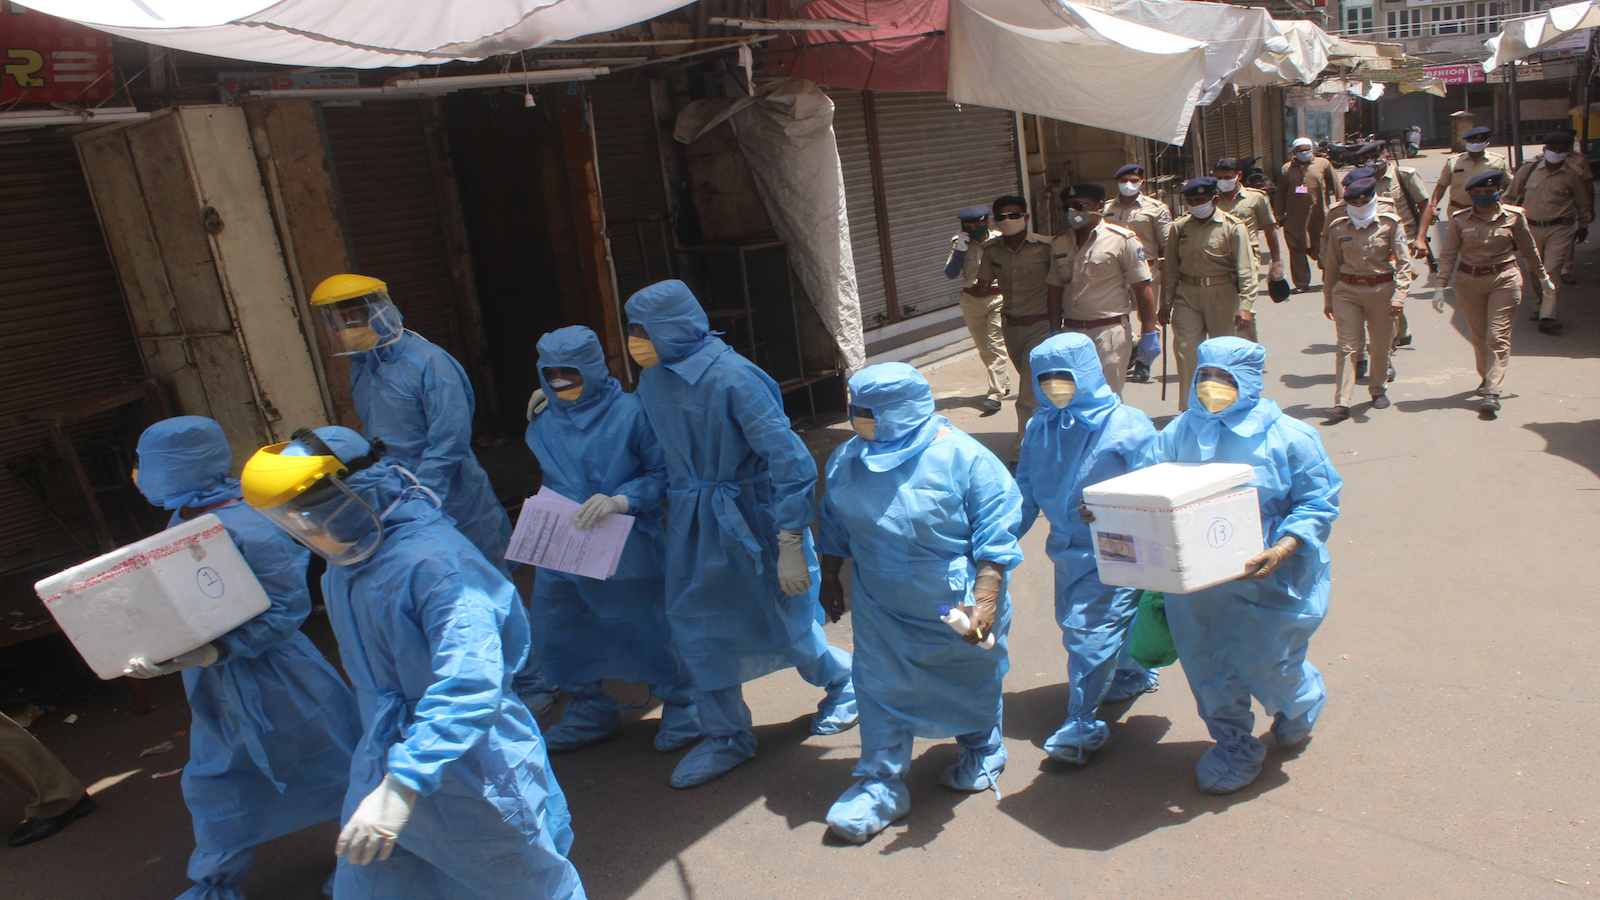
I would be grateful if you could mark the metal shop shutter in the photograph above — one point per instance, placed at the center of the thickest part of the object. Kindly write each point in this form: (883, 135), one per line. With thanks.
(385, 178)
(937, 158)
(64, 331)
(633, 188)
(850, 133)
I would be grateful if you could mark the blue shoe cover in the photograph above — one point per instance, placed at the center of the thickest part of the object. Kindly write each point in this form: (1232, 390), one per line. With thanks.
(867, 808)
(1076, 739)
(213, 892)
(976, 770)
(712, 757)
(1129, 683)
(1288, 732)
(539, 702)
(583, 722)
(1226, 768)
(680, 727)
(837, 711)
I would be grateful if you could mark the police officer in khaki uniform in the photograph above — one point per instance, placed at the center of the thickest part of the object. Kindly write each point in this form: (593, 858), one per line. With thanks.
(1403, 185)
(1307, 186)
(1554, 197)
(1016, 264)
(1457, 171)
(1098, 278)
(1579, 163)
(982, 314)
(1400, 325)
(1211, 278)
(1151, 220)
(1251, 207)
(1366, 273)
(1486, 238)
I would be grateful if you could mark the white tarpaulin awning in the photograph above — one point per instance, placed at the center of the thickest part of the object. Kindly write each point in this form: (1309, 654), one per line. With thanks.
(1530, 34)
(1302, 63)
(1366, 90)
(1074, 63)
(357, 34)
(1235, 36)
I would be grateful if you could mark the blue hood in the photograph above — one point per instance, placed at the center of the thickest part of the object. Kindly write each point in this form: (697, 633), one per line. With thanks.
(1244, 360)
(184, 461)
(676, 323)
(901, 401)
(578, 348)
(1068, 429)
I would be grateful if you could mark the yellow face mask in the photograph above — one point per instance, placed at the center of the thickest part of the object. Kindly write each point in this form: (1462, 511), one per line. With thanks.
(1216, 396)
(1059, 391)
(572, 393)
(862, 421)
(642, 351)
(358, 338)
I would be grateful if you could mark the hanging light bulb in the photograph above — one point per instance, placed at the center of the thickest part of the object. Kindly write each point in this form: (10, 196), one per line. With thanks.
(527, 98)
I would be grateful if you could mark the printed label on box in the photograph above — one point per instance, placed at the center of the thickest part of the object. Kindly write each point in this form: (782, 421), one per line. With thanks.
(1122, 548)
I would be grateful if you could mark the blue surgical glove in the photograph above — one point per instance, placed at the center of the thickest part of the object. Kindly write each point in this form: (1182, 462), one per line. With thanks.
(1149, 347)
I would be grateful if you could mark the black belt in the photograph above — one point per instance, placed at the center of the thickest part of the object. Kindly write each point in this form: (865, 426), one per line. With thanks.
(1564, 220)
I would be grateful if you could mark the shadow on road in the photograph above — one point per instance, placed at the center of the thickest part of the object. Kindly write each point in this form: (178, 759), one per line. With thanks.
(1575, 441)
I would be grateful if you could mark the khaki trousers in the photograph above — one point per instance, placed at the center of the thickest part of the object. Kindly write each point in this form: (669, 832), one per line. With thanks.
(1020, 341)
(1555, 243)
(982, 315)
(1489, 303)
(1199, 313)
(27, 766)
(1361, 315)
(1115, 345)
(1303, 247)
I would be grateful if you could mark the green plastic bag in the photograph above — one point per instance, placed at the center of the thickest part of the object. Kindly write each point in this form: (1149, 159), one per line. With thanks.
(1150, 640)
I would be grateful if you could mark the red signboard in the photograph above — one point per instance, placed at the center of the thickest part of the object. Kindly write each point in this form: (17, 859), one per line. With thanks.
(1470, 73)
(51, 60)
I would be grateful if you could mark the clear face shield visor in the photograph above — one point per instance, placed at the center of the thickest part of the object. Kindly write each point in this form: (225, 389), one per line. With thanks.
(359, 324)
(330, 520)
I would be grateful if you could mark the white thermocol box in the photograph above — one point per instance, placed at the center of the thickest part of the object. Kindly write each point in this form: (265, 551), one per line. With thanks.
(1175, 527)
(155, 598)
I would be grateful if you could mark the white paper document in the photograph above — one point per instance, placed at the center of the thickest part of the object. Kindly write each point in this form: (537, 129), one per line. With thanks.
(548, 536)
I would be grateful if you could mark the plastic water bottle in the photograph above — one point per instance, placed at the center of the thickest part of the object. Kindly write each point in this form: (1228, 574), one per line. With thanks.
(960, 624)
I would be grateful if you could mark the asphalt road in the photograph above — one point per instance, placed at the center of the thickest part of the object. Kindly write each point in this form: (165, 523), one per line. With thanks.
(1455, 757)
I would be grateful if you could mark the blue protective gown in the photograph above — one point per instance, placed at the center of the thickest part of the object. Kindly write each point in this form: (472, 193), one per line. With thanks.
(1093, 438)
(1249, 638)
(273, 724)
(737, 474)
(591, 630)
(918, 508)
(417, 398)
(429, 634)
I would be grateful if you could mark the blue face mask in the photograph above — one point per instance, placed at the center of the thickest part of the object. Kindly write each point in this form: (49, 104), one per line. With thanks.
(1484, 201)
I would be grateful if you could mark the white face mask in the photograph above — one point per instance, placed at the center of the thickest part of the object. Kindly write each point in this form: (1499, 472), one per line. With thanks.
(1477, 148)
(1203, 211)
(1077, 220)
(1011, 226)
(1554, 158)
(1130, 188)
(1224, 185)
(1304, 156)
(1364, 214)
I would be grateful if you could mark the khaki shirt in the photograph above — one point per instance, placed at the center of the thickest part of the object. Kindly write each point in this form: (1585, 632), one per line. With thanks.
(1341, 208)
(1249, 206)
(1146, 217)
(969, 263)
(1209, 248)
(1304, 188)
(1378, 249)
(1404, 186)
(1477, 241)
(1020, 273)
(1459, 169)
(1546, 196)
(1100, 274)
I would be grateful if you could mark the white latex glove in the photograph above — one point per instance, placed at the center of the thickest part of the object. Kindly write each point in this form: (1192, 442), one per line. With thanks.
(377, 822)
(961, 241)
(536, 403)
(1275, 271)
(794, 576)
(594, 510)
(203, 655)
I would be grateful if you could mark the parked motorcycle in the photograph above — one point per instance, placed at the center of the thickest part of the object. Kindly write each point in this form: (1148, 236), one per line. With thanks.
(1413, 141)
(1340, 155)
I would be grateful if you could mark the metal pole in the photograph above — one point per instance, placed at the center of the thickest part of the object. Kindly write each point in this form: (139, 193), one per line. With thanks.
(1516, 115)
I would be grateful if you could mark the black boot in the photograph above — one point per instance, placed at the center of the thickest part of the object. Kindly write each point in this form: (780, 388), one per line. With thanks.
(39, 829)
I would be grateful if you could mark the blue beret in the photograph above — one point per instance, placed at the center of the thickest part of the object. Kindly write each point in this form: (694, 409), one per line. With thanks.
(1482, 131)
(1355, 175)
(1360, 186)
(1558, 139)
(1085, 191)
(973, 213)
(1194, 186)
(1371, 147)
(1491, 178)
(1133, 169)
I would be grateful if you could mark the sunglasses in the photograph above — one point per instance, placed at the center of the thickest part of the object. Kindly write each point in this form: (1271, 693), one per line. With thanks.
(1003, 216)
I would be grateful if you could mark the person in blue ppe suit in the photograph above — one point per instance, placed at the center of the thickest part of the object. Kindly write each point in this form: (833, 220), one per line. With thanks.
(1082, 434)
(416, 397)
(273, 724)
(451, 795)
(596, 448)
(1248, 637)
(741, 592)
(930, 518)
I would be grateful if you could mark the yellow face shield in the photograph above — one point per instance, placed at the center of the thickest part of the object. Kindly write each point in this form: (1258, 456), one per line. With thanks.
(862, 421)
(1058, 388)
(305, 497)
(1216, 396)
